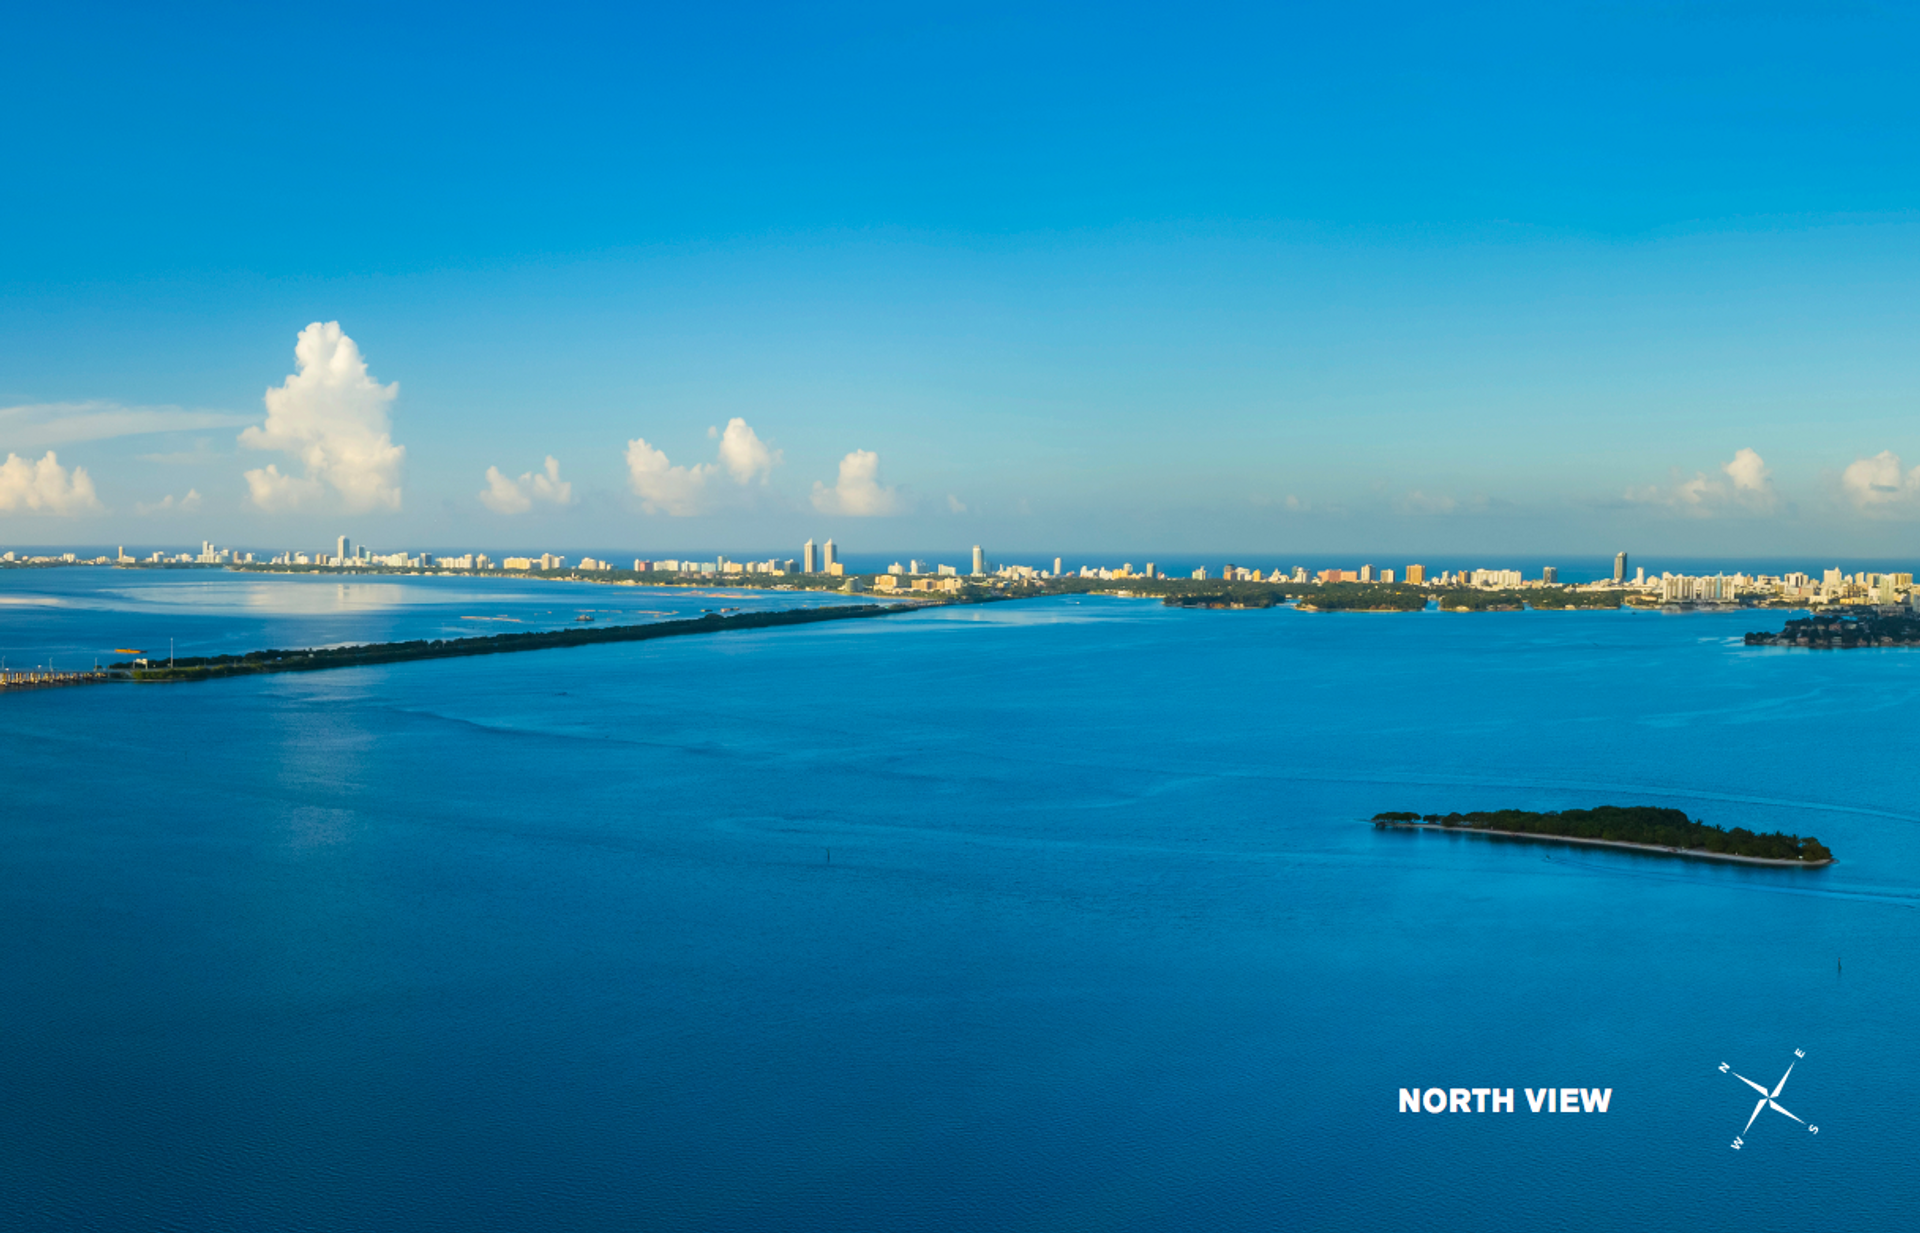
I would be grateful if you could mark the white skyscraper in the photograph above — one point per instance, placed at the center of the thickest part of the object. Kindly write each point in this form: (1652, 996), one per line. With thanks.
(807, 563)
(979, 560)
(829, 556)
(1056, 567)
(342, 556)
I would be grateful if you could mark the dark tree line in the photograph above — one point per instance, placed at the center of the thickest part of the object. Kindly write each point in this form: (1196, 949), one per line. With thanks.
(1843, 632)
(310, 660)
(1648, 824)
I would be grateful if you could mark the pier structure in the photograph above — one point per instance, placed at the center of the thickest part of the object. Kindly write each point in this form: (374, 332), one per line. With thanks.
(45, 678)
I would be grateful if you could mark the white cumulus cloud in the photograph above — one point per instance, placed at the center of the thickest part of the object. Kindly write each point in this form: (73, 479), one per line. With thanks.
(683, 491)
(1880, 484)
(169, 505)
(45, 487)
(509, 496)
(331, 416)
(744, 455)
(1747, 487)
(662, 487)
(1750, 475)
(272, 489)
(955, 505)
(858, 492)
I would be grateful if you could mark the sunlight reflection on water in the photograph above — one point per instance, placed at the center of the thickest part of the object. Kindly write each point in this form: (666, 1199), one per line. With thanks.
(275, 595)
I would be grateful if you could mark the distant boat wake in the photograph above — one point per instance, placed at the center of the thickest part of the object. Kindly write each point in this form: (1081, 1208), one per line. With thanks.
(1896, 899)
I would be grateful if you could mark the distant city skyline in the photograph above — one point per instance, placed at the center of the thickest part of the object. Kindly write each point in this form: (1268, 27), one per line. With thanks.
(1513, 281)
(1566, 569)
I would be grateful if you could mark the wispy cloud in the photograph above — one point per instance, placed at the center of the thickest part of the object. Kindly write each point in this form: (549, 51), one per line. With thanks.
(46, 487)
(1744, 485)
(1417, 502)
(169, 505)
(32, 426)
(508, 496)
(1423, 504)
(858, 491)
(200, 455)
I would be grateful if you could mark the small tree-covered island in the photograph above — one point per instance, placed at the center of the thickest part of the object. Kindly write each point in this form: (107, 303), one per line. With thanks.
(1642, 828)
(1844, 632)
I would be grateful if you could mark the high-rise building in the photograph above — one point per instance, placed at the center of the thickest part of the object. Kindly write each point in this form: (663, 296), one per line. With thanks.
(342, 558)
(1550, 575)
(1366, 573)
(807, 562)
(829, 556)
(1151, 571)
(1056, 567)
(1620, 567)
(1386, 575)
(979, 560)
(1417, 575)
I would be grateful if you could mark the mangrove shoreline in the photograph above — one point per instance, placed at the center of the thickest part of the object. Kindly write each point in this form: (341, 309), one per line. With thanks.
(1656, 849)
(1641, 828)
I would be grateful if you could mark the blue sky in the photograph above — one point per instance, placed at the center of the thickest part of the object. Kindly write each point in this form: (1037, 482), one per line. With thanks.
(1369, 278)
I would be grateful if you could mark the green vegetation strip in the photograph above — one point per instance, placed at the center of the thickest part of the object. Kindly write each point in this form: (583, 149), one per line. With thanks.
(208, 668)
(1353, 597)
(1843, 632)
(1641, 826)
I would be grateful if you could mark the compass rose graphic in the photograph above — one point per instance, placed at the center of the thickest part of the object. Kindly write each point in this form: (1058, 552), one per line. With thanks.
(1766, 1098)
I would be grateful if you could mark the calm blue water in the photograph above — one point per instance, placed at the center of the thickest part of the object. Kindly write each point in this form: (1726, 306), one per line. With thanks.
(75, 616)
(553, 940)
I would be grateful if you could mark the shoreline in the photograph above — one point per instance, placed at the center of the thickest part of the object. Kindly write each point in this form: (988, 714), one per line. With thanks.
(1690, 853)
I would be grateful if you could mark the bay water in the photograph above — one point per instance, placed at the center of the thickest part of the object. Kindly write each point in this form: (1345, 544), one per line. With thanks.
(1057, 914)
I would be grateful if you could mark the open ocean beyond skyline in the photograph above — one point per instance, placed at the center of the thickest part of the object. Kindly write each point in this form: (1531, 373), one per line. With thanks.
(1051, 914)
